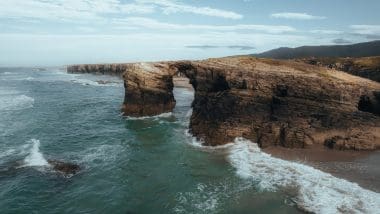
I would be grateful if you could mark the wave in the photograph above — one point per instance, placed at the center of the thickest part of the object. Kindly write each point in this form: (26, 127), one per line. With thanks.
(101, 154)
(163, 115)
(204, 199)
(7, 153)
(194, 142)
(35, 157)
(87, 82)
(82, 79)
(316, 191)
(18, 102)
(28, 79)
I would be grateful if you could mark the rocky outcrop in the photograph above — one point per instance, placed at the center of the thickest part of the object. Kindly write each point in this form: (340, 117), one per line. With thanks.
(270, 102)
(67, 169)
(367, 67)
(148, 89)
(102, 69)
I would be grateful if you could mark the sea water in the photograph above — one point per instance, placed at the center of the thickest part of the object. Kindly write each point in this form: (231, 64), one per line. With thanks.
(141, 165)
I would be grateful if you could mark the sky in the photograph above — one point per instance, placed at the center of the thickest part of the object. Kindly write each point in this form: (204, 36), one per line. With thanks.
(62, 32)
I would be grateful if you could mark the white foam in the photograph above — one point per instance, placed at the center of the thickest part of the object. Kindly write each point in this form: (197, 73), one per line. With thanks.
(7, 152)
(82, 79)
(193, 141)
(28, 79)
(102, 154)
(15, 102)
(35, 157)
(163, 115)
(204, 199)
(318, 192)
(189, 113)
(87, 82)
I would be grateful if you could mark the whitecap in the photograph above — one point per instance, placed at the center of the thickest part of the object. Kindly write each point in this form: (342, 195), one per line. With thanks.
(189, 113)
(11, 102)
(163, 115)
(7, 153)
(88, 82)
(101, 154)
(35, 157)
(317, 191)
(199, 143)
(204, 199)
(28, 79)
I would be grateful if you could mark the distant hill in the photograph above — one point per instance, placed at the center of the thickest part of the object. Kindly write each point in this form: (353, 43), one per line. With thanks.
(355, 50)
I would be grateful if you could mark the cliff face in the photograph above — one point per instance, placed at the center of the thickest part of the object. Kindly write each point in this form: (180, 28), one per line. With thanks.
(270, 102)
(367, 67)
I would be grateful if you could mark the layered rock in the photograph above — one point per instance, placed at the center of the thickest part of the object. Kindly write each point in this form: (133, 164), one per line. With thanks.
(367, 67)
(148, 89)
(270, 102)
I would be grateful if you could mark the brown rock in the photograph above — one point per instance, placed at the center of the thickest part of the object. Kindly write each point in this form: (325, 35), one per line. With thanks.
(366, 67)
(270, 102)
(64, 168)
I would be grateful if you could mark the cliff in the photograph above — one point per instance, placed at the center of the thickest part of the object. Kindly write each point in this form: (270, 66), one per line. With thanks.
(367, 67)
(270, 102)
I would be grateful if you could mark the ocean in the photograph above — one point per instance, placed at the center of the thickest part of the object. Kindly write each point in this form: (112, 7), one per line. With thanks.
(141, 165)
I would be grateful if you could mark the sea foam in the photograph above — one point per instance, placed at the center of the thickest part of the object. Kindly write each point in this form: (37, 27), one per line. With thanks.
(15, 102)
(35, 157)
(163, 115)
(317, 191)
(11, 99)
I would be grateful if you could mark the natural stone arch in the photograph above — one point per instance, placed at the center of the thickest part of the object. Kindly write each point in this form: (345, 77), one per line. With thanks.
(267, 101)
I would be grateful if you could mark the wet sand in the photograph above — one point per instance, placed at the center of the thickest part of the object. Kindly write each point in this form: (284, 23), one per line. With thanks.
(361, 167)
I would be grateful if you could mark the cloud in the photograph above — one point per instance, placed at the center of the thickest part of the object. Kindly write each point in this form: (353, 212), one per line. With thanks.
(238, 47)
(154, 24)
(332, 32)
(170, 6)
(36, 49)
(341, 41)
(241, 47)
(79, 10)
(366, 29)
(68, 10)
(296, 16)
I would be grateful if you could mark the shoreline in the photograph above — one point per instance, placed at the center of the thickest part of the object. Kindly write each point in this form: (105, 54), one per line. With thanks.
(360, 167)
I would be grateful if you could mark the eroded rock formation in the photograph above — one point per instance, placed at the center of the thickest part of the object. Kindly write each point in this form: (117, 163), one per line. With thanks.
(270, 102)
(367, 67)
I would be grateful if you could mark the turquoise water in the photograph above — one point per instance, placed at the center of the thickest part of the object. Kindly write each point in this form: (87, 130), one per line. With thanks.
(138, 165)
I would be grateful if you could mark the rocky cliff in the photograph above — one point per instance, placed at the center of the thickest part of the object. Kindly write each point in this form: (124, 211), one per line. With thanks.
(367, 67)
(270, 102)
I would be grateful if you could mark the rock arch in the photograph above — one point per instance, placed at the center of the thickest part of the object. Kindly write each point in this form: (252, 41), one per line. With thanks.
(267, 101)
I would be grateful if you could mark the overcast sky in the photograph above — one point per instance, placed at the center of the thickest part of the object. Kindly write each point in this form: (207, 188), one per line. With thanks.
(60, 32)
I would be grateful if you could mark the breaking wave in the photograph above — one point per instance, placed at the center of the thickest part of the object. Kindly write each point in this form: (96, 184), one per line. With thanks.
(204, 199)
(163, 115)
(193, 141)
(15, 102)
(316, 191)
(35, 157)
(87, 82)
